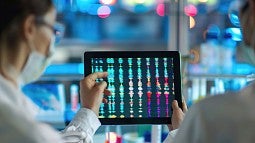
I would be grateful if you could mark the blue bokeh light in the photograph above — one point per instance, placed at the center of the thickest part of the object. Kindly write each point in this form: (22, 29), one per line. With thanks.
(234, 19)
(236, 33)
(84, 5)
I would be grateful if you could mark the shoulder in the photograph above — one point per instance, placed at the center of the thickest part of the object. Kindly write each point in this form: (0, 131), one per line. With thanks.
(215, 117)
(229, 98)
(230, 104)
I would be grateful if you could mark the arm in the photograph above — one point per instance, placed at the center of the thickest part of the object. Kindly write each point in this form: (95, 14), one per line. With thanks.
(19, 124)
(85, 123)
(82, 127)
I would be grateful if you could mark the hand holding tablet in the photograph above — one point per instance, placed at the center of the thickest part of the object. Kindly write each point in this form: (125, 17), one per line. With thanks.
(143, 85)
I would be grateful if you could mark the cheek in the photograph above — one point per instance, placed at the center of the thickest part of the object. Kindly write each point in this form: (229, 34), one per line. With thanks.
(42, 43)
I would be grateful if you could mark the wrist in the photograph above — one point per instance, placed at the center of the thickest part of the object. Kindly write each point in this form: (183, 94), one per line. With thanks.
(92, 109)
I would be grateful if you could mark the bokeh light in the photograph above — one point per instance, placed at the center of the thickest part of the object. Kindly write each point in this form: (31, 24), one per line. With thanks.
(212, 2)
(235, 33)
(83, 5)
(212, 30)
(190, 10)
(145, 2)
(104, 11)
(233, 12)
(234, 19)
(203, 1)
(93, 8)
(140, 1)
(135, 2)
(138, 6)
(192, 22)
(161, 9)
(108, 2)
(208, 2)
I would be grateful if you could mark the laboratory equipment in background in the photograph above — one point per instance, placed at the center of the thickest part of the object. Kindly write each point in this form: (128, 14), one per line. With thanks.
(202, 86)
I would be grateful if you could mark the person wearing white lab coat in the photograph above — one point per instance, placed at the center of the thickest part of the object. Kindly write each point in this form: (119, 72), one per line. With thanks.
(229, 118)
(26, 46)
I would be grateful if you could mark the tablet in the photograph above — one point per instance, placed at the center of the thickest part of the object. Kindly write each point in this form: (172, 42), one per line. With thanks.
(143, 85)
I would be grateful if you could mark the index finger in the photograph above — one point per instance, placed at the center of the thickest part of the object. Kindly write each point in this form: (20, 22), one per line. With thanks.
(97, 75)
(175, 105)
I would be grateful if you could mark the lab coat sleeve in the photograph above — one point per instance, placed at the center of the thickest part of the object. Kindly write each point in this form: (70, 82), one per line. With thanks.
(170, 136)
(82, 127)
(193, 128)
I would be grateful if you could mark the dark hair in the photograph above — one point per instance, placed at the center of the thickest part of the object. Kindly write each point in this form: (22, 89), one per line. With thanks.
(247, 26)
(13, 14)
(244, 7)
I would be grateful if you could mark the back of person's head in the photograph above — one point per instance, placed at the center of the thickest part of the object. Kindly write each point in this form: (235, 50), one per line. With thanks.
(245, 52)
(13, 13)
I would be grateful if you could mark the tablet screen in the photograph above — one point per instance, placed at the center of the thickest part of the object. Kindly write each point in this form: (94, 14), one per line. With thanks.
(142, 87)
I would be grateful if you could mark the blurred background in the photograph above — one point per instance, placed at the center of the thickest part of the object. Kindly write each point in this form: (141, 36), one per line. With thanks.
(206, 32)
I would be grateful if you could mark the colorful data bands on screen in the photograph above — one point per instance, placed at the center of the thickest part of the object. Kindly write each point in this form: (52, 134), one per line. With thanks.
(140, 87)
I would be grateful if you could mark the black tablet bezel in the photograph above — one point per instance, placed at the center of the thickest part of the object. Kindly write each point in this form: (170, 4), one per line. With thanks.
(138, 54)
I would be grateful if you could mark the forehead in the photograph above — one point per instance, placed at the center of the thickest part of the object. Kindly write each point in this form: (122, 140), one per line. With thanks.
(50, 16)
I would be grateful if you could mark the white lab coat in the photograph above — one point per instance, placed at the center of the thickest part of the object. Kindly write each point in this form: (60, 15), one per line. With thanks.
(18, 124)
(228, 118)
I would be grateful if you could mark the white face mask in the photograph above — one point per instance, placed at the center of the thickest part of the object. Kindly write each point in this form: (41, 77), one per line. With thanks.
(36, 65)
(245, 53)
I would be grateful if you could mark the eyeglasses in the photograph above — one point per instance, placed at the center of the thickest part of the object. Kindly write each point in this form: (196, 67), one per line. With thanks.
(58, 29)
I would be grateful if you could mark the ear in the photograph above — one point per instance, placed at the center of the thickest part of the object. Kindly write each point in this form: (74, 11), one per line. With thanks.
(29, 27)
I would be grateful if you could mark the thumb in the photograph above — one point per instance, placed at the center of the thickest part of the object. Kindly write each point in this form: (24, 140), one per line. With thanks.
(175, 105)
